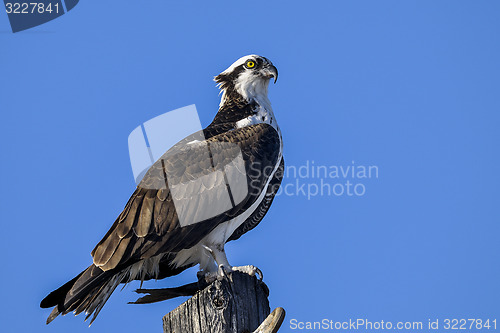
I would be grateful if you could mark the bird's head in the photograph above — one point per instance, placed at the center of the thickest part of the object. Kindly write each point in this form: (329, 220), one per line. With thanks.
(248, 77)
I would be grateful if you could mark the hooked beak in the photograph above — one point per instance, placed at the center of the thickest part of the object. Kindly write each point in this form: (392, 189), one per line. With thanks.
(274, 73)
(271, 72)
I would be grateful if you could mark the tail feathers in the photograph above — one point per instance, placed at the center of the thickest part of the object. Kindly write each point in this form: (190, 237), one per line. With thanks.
(54, 297)
(87, 292)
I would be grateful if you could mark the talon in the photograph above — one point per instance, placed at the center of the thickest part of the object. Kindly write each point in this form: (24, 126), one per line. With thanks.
(224, 272)
(221, 272)
(261, 276)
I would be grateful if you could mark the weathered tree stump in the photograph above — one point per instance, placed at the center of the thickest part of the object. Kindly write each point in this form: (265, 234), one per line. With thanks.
(238, 304)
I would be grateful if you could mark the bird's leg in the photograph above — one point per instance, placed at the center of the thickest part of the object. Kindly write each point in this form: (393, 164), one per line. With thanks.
(213, 272)
(221, 258)
(224, 268)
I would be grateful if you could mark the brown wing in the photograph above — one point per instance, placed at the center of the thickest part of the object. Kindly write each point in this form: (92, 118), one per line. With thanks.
(189, 191)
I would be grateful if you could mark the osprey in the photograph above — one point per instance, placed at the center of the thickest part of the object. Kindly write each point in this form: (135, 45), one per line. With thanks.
(179, 215)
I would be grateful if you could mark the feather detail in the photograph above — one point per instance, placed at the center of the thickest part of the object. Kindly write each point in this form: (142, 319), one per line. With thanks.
(143, 225)
(124, 227)
(104, 251)
(118, 254)
(162, 194)
(124, 214)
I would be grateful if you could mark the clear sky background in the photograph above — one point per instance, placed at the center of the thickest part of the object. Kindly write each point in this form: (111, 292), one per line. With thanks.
(411, 87)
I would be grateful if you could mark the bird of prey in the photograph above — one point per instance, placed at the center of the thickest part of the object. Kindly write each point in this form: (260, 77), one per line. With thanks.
(208, 189)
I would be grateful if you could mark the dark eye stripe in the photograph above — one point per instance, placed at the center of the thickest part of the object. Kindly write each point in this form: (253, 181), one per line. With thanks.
(259, 62)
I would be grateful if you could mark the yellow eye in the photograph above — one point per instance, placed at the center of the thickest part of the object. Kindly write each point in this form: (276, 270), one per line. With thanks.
(250, 64)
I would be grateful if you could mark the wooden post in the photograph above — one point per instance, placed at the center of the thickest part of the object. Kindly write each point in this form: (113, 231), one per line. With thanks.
(237, 304)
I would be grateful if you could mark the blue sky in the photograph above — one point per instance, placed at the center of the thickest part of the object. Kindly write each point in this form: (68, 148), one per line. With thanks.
(408, 86)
